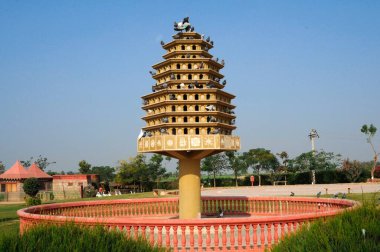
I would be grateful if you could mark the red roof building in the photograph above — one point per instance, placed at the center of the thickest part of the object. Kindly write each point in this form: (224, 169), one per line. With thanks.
(35, 172)
(11, 181)
(63, 186)
(16, 172)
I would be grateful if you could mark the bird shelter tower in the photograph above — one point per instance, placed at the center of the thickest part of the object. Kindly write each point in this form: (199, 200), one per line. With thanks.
(188, 116)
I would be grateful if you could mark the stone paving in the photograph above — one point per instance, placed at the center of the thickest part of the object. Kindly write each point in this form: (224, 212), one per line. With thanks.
(299, 190)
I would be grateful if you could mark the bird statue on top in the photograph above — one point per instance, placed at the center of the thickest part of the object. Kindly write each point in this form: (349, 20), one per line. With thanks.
(184, 25)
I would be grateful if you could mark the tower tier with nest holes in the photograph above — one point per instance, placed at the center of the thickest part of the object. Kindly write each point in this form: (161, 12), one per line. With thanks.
(188, 108)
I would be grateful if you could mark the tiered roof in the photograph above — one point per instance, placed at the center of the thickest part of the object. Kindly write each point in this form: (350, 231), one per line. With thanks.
(189, 70)
(188, 108)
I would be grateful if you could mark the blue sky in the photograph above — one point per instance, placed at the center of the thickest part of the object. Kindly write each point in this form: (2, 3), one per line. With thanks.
(72, 73)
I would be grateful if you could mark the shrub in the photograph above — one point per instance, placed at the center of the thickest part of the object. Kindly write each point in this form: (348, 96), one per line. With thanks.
(70, 237)
(33, 201)
(341, 233)
(31, 186)
(89, 191)
(169, 185)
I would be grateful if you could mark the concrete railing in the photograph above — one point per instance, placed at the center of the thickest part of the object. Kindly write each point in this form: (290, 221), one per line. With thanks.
(249, 223)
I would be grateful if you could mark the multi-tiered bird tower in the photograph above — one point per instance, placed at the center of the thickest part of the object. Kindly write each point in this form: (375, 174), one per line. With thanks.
(188, 115)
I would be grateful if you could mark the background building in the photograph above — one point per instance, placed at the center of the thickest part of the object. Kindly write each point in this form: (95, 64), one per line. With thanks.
(51, 187)
(12, 180)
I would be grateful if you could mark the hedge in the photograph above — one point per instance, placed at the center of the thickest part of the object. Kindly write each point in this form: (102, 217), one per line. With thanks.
(322, 177)
(357, 230)
(70, 237)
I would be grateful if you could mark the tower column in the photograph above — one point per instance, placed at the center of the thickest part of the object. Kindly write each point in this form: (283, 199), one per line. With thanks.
(189, 188)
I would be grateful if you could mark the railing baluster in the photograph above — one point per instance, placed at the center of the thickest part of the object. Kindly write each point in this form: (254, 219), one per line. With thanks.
(200, 238)
(151, 235)
(208, 237)
(183, 238)
(275, 233)
(232, 236)
(269, 232)
(247, 241)
(191, 238)
(216, 236)
(262, 236)
(167, 236)
(175, 238)
(224, 236)
(254, 234)
(240, 237)
(143, 232)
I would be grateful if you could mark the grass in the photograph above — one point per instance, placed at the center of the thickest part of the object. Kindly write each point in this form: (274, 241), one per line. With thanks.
(9, 219)
(123, 196)
(8, 211)
(364, 198)
(70, 237)
(341, 233)
(11, 226)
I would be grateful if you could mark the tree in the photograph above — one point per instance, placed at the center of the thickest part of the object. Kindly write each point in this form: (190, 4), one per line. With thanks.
(214, 165)
(125, 172)
(51, 173)
(276, 175)
(352, 170)
(41, 162)
(261, 159)
(237, 164)
(106, 173)
(284, 159)
(132, 171)
(370, 132)
(315, 160)
(2, 167)
(84, 167)
(27, 163)
(31, 186)
(156, 170)
(142, 172)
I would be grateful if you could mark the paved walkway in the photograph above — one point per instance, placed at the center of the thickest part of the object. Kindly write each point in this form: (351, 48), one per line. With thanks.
(11, 202)
(282, 190)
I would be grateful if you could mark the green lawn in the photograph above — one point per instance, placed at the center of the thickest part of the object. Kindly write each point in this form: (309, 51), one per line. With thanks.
(8, 211)
(361, 197)
(123, 196)
(8, 217)
(364, 197)
(11, 226)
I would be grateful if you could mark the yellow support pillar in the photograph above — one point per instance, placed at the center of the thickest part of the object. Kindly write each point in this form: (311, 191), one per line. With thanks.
(189, 189)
